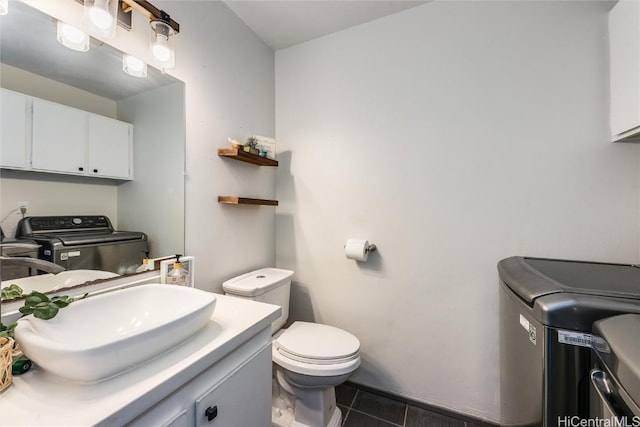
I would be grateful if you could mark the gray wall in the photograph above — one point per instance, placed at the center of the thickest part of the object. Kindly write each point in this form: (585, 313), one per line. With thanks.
(154, 201)
(229, 91)
(451, 135)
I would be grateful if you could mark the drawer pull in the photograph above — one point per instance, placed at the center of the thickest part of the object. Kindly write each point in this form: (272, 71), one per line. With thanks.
(211, 412)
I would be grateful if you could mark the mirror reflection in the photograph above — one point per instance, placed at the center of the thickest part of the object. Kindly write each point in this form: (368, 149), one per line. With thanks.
(92, 159)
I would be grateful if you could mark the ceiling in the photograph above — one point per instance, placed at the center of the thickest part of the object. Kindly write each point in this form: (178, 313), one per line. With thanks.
(28, 39)
(284, 23)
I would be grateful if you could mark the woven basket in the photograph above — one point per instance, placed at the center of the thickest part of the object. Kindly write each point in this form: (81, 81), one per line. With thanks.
(6, 359)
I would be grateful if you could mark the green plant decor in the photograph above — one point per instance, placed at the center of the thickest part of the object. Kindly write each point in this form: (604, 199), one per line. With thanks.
(252, 142)
(36, 303)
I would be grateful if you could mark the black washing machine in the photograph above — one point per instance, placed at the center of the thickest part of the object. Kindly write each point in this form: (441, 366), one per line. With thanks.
(547, 311)
(85, 242)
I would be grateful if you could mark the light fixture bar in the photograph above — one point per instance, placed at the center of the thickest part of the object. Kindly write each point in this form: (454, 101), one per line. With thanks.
(151, 12)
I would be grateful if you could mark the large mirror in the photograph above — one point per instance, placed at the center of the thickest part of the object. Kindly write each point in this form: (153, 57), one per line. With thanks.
(35, 64)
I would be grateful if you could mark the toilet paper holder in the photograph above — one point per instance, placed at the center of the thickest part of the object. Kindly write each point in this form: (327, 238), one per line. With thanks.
(370, 248)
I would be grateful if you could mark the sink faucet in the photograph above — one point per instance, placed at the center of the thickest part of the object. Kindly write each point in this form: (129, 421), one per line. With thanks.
(39, 264)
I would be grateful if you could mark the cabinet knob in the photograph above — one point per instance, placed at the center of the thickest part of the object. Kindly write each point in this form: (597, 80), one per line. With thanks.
(95, 171)
(211, 412)
(80, 168)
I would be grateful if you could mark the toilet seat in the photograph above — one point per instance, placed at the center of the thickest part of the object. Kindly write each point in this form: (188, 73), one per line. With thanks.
(315, 349)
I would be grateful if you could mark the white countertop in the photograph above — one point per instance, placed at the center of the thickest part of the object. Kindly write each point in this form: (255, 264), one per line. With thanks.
(38, 398)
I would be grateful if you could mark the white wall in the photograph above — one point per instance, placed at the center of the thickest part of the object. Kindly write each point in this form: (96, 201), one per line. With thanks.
(54, 195)
(229, 82)
(32, 84)
(154, 200)
(451, 135)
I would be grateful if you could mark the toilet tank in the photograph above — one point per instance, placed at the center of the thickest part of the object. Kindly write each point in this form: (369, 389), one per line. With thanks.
(270, 285)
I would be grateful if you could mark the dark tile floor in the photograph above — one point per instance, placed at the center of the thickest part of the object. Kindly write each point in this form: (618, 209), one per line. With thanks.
(362, 408)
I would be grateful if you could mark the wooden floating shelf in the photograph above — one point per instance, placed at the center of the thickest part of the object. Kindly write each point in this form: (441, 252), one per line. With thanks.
(245, 156)
(235, 200)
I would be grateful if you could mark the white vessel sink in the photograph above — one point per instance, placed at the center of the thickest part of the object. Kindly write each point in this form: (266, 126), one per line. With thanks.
(103, 336)
(53, 282)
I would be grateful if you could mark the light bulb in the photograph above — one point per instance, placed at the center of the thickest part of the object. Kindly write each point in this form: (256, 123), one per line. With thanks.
(161, 45)
(72, 37)
(73, 34)
(134, 66)
(161, 49)
(100, 16)
(4, 7)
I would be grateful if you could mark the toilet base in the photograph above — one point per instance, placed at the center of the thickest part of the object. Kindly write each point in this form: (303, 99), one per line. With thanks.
(285, 418)
(311, 408)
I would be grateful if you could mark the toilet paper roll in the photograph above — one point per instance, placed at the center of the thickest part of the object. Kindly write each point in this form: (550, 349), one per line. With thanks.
(357, 249)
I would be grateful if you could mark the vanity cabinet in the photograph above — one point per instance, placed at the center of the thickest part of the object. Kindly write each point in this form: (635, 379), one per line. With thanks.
(624, 59)
(225, 395)
(219, 377)
(14, 147)
(45, 136)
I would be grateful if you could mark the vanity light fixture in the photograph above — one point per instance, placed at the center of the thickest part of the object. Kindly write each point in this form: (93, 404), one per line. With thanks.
(134, 66)
(4, 7)
(72, 37)
(161, 44)
(100, 17)
(163, 28)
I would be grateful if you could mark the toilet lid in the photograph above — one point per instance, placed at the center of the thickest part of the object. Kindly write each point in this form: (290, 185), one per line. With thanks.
(318, 342)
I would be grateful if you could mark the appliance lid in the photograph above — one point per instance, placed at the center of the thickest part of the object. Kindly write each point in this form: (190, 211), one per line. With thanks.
(316, 341)
(622, 355)
(77, 239)
(257, 282)
(531, 278)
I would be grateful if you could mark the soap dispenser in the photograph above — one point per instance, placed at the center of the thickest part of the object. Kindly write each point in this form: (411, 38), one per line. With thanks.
(177, 276)
(145, 266)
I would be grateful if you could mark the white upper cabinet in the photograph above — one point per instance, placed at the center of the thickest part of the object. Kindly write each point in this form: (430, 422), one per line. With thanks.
(624, 57)
(109, 147)
(58, 142)
(44, 136)
(14, 147)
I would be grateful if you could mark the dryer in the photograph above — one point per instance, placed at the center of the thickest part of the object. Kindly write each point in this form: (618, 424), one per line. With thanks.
(615, 379)
(547, 309)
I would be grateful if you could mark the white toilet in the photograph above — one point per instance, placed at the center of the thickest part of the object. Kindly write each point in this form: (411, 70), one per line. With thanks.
(310, 359)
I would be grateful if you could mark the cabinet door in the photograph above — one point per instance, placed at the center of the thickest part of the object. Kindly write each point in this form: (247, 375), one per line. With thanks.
(624, 53)
(109, 147)
(13, 130)
(237, 392)
(242, 399)
(58, 138)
